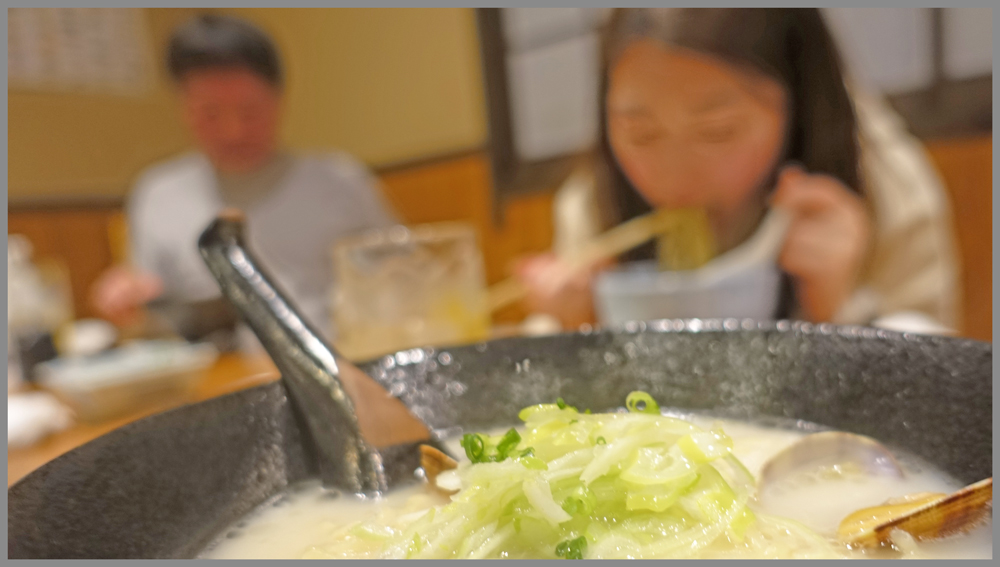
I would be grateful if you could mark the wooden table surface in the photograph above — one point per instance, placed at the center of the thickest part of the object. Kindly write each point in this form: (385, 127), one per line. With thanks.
(230, 373)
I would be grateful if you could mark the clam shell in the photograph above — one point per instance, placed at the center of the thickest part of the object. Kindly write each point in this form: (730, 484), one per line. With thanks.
(434, 462)
(830, 449)
(924, 516)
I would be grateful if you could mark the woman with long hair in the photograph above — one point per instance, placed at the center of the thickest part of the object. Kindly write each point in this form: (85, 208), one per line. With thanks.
(740, 111)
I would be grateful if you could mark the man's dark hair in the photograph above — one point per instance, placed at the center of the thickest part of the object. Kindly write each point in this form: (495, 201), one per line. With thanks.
(215, 41)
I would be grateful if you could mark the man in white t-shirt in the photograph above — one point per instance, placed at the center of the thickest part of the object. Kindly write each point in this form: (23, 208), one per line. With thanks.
(229, 81)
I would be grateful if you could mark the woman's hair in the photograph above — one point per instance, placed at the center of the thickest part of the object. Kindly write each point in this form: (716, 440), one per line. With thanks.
(215, 41)
(791, 46)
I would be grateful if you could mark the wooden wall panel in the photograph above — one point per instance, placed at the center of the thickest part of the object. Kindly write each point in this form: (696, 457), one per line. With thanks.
(77, 237)
(966, 165)
(441, 191)
(88, 240)
(459, 190)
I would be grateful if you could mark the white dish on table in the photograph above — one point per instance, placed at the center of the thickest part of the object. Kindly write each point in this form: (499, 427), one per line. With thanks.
(128, 378)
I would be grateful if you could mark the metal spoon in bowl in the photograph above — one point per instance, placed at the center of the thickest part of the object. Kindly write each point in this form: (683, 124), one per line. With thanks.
(352, 420)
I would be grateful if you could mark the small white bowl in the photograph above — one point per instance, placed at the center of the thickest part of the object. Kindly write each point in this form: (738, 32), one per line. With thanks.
(742, 283)
(126, 379)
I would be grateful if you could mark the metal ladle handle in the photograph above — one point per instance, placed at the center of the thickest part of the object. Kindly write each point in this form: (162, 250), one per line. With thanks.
(309, 367)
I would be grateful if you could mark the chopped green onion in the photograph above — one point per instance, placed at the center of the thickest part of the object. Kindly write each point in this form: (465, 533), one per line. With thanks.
(582, 501)
(572, 505)
(507, 443)
(481, 450)
(561, 404)
(641, 402)
(600, 441)
(572, 548)
(474, 446)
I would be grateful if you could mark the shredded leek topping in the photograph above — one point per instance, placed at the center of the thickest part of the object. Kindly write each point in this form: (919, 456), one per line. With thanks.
(642, 402)
(606, 485)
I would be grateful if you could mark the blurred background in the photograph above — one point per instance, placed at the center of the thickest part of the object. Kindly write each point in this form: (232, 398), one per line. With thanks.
(468, 115)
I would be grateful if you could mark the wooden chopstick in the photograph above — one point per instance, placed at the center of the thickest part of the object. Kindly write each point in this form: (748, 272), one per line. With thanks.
(615, 241)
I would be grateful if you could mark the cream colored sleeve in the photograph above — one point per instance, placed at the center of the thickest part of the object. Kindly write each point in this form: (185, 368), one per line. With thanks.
(913, 267)
(576, 218)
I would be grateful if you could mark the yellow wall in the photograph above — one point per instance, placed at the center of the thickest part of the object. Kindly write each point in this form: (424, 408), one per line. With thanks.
(387, 85)
(61, 144)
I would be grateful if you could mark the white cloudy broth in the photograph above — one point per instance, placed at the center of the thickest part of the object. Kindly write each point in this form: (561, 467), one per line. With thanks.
(308, 521)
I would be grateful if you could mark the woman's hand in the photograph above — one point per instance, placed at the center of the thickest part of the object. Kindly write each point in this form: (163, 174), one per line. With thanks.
(120, 293)
(827, 241)
(555, 289)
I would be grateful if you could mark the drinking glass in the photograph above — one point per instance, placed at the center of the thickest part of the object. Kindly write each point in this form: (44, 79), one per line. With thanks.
(404, 287)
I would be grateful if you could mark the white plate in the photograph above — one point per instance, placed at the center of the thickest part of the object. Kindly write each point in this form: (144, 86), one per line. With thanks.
(128, 378)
